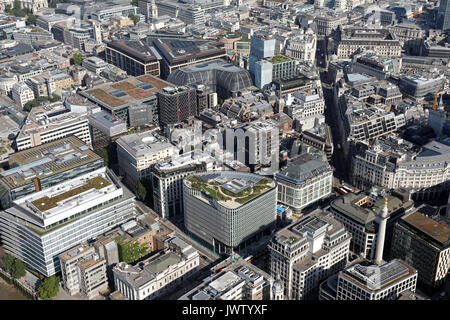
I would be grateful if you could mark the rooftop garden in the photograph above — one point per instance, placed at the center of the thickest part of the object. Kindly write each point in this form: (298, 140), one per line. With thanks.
(45, 203)
(105, 97)
(124, 85)
(155, 82)
(279, 58)
(219, 193)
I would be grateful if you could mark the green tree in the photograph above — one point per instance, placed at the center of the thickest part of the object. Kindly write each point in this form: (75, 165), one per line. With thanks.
(8, 9)
(104, 154)
(49, 288)
(134, 18)
(8, 262)
(18, 269)
(31, 19)
(141, 192)
(77, 58)
(134, 3)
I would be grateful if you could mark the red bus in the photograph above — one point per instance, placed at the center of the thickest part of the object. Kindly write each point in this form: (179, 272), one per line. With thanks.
(348, 189)
(343, 191)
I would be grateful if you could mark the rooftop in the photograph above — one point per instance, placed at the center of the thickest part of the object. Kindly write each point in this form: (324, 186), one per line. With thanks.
(135, 49)
(133, 90)
(49, 117)
(439, 231)
(144, 143)
(175, 50)
(375, 277)
(163, 262)
(46, 160)
(230, 189)
(303, 168)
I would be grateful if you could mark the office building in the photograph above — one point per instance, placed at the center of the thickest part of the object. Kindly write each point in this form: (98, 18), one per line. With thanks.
(177, 104)
(305, 103)
(190, 13)
(381, 41)
(52, 122)
(327, 23)
(178, 53)
(237, 280)
(40, 226)
(263, 74)
(443, 16)
(159, 274)
(420, 86)
(216, 75)
(94, 64)
(391, 162)
(385, 282)
(167, 181)
(132, 100)
(260, 47)
(306, 180)
(227, 210)
(104, 14)
(302, 47)
(47, 22)
(105, 128)
(44, 166)
(137, 152)
(306, 253)
(21, 94)
(134, 57)
(361, 122)
(82, 271)
(424, 243)
(357, 212)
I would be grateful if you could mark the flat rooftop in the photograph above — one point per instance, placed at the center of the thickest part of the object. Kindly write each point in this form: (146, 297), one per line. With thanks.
(304, 167)
(375, 277)
(163, 262)
(49, 117)
(135, 49)
(144, 143)
(175, 50)
(46, 160)
(230, 189)
(437, 230)
(133, 90)
(71, 194)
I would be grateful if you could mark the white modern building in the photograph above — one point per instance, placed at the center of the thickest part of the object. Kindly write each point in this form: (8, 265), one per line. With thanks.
(51, 122)
(40, 226)
(306, 179)
(159, 274)
(306, 253)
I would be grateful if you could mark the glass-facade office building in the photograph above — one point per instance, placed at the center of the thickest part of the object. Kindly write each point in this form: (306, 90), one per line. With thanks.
(228, 223)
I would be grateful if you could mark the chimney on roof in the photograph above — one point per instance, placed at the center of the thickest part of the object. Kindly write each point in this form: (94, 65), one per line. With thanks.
(37, 184)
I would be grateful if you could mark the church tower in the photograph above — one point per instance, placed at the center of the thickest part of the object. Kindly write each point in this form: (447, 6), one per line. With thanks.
(278, 289)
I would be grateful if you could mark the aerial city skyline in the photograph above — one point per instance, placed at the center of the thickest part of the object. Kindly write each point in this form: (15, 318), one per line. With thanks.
(198, 150)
